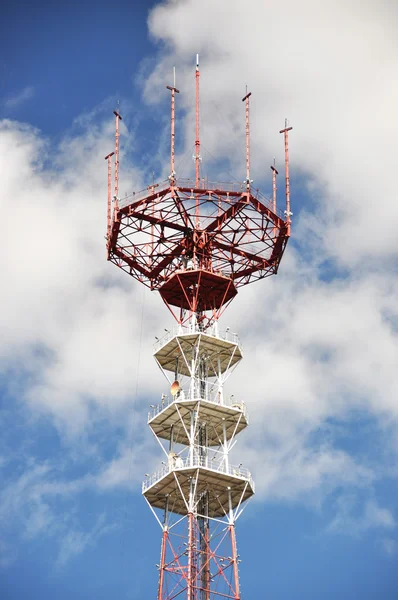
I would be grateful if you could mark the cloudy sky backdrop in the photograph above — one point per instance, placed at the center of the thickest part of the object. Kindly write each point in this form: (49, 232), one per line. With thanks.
(320, 339)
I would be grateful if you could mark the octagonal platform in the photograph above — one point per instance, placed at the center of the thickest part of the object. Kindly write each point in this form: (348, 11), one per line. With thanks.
(217, 480)
(221, 354)
(176, 417)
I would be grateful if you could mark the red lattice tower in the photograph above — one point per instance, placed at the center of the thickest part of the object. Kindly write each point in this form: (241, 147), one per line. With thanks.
(197, 242)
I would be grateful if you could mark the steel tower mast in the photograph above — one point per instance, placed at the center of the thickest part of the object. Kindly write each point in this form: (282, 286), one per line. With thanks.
(197, 244)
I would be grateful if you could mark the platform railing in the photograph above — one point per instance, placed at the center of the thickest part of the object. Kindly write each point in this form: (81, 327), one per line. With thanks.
(180, 330)
(230, 186)
(204, 185)
(148, 191)
(183, 396)
(218, 465)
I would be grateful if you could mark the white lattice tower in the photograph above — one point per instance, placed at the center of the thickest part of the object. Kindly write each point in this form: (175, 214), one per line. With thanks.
(197, 495)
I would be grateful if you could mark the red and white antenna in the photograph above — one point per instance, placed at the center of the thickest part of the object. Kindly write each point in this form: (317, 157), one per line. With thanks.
(274, 174)
(247, 181)
(197, 141)
(117, 135)
(197, 243)
(174, 91)
(288, 213)
(109, 206)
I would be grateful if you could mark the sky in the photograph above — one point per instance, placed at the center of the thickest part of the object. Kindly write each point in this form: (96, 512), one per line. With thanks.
(320, 340)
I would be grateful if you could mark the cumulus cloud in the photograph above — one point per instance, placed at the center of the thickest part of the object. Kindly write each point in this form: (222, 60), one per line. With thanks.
(324, 65)
(320, 340)
(74, 342)
(69, 324)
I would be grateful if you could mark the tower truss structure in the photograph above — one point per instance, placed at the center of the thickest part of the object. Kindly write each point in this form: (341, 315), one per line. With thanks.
(197, 242)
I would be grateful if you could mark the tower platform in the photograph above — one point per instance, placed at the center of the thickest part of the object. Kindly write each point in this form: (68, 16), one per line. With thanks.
(173, 421)
(199, 288)
(218, 480)
(221, 351)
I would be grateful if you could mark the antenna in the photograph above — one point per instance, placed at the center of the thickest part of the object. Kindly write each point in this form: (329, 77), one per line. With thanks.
(274, 174)
(197, 246)
(108, 228)
(117, 135)
(247, 181)
(172, 141)
(197, 141)
(287, 211)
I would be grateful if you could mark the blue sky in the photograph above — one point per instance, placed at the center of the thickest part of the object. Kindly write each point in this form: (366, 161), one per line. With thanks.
(320, 339)
(71, 56)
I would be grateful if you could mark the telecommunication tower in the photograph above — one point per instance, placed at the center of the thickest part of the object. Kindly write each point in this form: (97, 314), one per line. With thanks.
(197, 242)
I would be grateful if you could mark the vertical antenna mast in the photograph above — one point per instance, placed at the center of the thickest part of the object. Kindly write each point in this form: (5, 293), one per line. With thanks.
(197, 142)
(247, 181)
(287, 211)
(274, 174)
(117, 135)
(172, 145)
(108, 228)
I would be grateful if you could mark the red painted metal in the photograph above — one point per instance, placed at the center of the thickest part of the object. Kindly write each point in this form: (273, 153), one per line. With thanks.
(274, 174)
(246, 99)
(196, 566)
(109, 206)
(235, 561)
(285, 132)
(205, 563)
(229, 234)
(191, 558)
(197, 242)
(197, 141)
(117, 135)
(174, 91)
(162, 565)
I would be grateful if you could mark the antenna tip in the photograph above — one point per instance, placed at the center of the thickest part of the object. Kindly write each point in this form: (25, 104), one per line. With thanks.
(197, 61)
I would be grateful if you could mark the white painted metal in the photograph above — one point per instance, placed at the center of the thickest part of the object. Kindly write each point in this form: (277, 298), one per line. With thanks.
(197, 427)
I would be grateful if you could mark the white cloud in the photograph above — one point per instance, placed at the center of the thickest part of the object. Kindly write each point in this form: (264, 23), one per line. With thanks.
(77, 333)
(30, 505)
(74, 542)
(373, 517)
(15, 100)
(305, 474)
(22, 503)
(316, 346)
(69, 322)
(327, 66)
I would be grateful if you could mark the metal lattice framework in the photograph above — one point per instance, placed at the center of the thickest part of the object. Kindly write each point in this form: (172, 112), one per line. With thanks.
(197, 242)
(197, 495)
(232, 232)
(233, 236)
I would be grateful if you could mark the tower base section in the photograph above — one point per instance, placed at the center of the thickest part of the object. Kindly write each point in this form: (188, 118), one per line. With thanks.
(196, 564)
